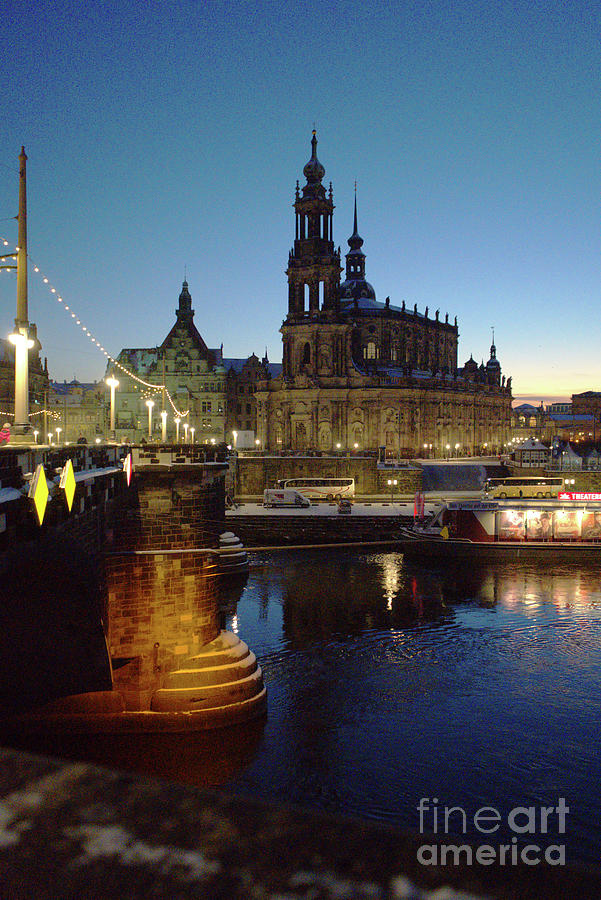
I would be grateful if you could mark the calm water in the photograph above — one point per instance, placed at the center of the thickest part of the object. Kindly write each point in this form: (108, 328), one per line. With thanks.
(389, 681)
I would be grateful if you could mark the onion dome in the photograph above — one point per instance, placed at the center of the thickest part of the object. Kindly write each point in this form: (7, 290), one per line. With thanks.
(314, 171)
(493, 362)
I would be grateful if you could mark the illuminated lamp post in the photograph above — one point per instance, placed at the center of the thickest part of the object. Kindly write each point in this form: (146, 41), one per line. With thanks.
(164, 426)
(448, 448)
(177, 421)
(58, 435)
(49, 437)
(392, 483)
(35, 436)
(150, 404)
(186, 426)
(20, 337)
(235, 437)
(192, 430)
(456, 449)
(113, 383)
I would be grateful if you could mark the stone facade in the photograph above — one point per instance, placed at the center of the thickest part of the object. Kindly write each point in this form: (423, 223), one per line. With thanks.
(163, 607)
(194, 380)
(80, 410)
(362, 374)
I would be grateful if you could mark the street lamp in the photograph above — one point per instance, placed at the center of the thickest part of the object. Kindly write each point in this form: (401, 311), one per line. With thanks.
(186, 426)
(192, 430)
(392, 483)
(235, 436)
(35, 436)
(150, 404)
(448, 451)
(49, 437)
(58, 434)
(356, 445)
(177, 421)
(112, 383)
(164, 426)
(338, 446)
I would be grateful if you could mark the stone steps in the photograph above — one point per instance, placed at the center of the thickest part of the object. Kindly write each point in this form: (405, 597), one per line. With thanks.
(208, 696)
(219, 674)
(225, 673)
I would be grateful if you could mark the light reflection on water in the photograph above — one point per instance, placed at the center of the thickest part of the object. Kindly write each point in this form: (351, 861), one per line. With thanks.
(389, 681)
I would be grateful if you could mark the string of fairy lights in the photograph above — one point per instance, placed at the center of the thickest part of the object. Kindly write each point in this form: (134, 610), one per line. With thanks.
(152, 389)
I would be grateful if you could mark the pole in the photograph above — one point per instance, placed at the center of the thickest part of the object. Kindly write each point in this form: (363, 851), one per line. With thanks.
(20, 338)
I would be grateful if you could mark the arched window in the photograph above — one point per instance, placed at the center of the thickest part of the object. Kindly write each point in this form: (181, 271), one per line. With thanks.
(306, 360)
(371, 350)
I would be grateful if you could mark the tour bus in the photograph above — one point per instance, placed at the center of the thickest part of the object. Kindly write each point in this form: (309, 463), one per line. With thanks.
(532, 486)
(321, 488)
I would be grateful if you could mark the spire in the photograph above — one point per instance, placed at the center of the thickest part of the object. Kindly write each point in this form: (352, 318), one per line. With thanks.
(355, 285)
(355, 241)
(313, 170)
(184, 310)
(493, 349)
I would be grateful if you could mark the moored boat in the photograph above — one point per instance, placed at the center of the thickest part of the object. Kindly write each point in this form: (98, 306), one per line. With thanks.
(509, 529)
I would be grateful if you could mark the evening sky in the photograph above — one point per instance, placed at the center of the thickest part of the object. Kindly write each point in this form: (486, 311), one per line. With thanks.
(167, 137)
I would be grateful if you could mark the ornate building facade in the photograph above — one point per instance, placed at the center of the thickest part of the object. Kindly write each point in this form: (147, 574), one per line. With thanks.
(359, 373)
(194, 379)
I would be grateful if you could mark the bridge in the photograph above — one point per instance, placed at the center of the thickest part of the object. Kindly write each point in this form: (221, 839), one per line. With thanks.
(110, 617)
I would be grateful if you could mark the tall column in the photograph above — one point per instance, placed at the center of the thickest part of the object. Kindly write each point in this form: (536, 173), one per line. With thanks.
(20, 338)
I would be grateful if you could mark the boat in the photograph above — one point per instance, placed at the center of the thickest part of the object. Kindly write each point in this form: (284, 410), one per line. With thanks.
(487, 530)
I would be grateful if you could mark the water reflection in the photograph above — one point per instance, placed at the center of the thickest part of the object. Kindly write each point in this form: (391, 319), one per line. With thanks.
(389, 681)
(205, 759)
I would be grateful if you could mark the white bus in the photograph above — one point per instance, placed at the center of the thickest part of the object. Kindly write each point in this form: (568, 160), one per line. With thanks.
(321, 488)
(534, 486)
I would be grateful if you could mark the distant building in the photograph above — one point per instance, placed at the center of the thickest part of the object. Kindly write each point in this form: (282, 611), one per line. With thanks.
(208, 393)
(363, 373)
(532, 454)
(562, 409)
(79, 410)
(589, 402)
(242, 378)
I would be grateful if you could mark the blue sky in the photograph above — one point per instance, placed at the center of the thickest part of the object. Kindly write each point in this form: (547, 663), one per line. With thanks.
(169, 135)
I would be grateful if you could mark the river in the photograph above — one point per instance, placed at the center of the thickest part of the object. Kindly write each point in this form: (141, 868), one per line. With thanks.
(391, 681)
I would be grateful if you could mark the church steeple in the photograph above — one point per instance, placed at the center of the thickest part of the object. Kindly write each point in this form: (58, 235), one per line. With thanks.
(313, 264)
(184, 312)
(355, 286)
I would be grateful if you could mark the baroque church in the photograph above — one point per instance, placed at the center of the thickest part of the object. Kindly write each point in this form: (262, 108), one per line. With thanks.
(360, 373)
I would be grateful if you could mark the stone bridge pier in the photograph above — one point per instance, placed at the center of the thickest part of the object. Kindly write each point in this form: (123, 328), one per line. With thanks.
(170, 656)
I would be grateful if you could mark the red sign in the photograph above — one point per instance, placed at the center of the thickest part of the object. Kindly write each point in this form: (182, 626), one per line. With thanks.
(573, 495)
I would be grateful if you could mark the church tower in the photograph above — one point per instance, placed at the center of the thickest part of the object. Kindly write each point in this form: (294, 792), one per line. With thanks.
(313, 264)
(355, 286)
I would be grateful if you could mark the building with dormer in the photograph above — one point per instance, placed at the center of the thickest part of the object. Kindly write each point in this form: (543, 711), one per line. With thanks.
(194, 390)
(360, 373)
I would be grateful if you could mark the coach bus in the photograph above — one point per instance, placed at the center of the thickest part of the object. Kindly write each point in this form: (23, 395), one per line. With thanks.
(532, 486)
(321, 488)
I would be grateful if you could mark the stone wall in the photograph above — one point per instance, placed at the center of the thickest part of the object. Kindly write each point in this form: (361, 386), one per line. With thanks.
(53, 587)
(255, 473)
(163, 606)
(279, 531)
